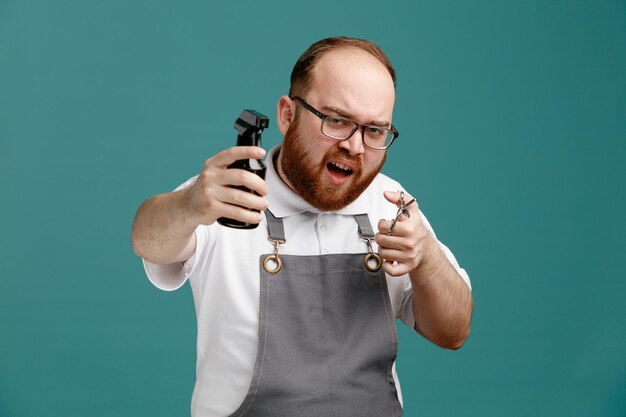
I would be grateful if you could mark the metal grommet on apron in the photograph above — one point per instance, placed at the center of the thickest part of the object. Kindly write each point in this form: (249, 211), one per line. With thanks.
(367, 234)
(272, 263)
(327, 337)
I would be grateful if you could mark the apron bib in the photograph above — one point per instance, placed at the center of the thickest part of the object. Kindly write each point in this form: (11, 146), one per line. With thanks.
(327, 336)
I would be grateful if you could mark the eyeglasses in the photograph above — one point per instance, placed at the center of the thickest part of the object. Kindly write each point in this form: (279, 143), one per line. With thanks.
(340, 128)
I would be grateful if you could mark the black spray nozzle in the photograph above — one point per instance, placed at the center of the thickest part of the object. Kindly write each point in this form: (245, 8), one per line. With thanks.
(249, 126)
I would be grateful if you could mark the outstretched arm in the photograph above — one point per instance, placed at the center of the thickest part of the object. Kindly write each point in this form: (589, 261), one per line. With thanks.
(164, 226)
(442, 301)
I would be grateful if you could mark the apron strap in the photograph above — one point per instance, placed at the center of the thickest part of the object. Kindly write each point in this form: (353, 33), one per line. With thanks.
(365, 227)
(372, 261)
(275, 227)
(277, 230)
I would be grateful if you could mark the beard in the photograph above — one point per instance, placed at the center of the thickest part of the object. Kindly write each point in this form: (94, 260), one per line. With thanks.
(306, 177)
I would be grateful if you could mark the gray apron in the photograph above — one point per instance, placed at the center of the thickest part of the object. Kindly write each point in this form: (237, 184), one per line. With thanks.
(327, 335)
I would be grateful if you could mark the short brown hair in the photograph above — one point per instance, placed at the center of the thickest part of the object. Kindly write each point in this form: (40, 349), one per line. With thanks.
(301, 77)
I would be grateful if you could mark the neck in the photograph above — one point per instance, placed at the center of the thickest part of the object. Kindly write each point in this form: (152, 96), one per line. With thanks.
(277, 161)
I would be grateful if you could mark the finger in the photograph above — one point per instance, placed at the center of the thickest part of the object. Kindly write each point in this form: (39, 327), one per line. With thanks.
(403, 227)
(384, 225)
(395, 269)
(243, 198)
(394, 255)
(237, 213)
(243, 178)
(394, 197)
(392, 242)
(235, 153)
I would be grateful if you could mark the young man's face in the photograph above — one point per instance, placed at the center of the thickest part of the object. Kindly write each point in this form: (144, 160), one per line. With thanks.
(350, 83)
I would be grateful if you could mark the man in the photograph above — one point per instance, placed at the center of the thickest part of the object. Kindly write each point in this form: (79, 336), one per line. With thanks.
(297, 316)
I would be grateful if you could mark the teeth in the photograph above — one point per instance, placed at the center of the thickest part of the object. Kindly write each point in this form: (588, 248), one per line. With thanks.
(341, 166)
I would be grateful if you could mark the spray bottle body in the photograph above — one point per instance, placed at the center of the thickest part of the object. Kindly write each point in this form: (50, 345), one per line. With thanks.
(249, 126)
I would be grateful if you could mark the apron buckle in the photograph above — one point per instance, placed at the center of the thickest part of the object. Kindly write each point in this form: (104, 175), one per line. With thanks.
(272, 263)
(378, 262)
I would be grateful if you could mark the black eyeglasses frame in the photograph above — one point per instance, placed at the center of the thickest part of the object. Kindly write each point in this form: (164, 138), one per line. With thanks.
(394, 132)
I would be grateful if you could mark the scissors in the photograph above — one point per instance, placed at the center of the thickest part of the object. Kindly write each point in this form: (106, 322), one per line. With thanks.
(403, 209)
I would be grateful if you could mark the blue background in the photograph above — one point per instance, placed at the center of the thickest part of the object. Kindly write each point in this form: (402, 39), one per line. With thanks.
(513, 127)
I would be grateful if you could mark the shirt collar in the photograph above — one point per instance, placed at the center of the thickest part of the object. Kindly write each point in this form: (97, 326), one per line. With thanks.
(283, 201)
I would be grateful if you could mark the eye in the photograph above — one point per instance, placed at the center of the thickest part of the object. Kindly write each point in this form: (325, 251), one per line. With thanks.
(375, 132)
(336, 121)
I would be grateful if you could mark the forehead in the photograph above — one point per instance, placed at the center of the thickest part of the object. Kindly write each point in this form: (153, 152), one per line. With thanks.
(353, 80)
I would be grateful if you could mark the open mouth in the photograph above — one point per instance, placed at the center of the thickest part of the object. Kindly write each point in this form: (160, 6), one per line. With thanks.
(338, 169)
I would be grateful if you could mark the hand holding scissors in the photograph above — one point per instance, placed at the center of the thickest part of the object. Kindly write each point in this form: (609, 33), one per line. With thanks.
(402, 210)
(403, 241)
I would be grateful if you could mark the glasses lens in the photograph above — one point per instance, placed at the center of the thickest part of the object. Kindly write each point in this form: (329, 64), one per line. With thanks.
(340, 128)
(337, 127)
(378, 137)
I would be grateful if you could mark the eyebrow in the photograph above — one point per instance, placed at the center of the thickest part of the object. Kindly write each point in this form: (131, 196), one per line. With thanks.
(343, 113)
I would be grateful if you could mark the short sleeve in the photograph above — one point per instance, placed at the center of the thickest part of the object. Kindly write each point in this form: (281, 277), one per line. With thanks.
(171, 277)
(455, 264)
(406, 309)
(448, 253)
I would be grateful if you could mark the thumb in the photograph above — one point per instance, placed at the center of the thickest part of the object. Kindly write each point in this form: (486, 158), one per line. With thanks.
(393, 196)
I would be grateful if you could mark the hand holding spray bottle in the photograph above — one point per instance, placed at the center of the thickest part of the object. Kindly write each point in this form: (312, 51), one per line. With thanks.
(249, 126)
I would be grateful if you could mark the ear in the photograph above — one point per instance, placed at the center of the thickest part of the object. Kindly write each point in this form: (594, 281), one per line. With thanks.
(285, 113)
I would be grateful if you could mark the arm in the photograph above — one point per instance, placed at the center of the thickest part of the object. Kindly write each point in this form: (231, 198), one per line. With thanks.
(164, 226)
(442, 301)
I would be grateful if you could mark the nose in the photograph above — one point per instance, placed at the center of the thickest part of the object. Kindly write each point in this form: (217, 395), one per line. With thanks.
(354, 144)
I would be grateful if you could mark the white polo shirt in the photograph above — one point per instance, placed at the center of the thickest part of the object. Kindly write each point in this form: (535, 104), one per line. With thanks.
(224, 277)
